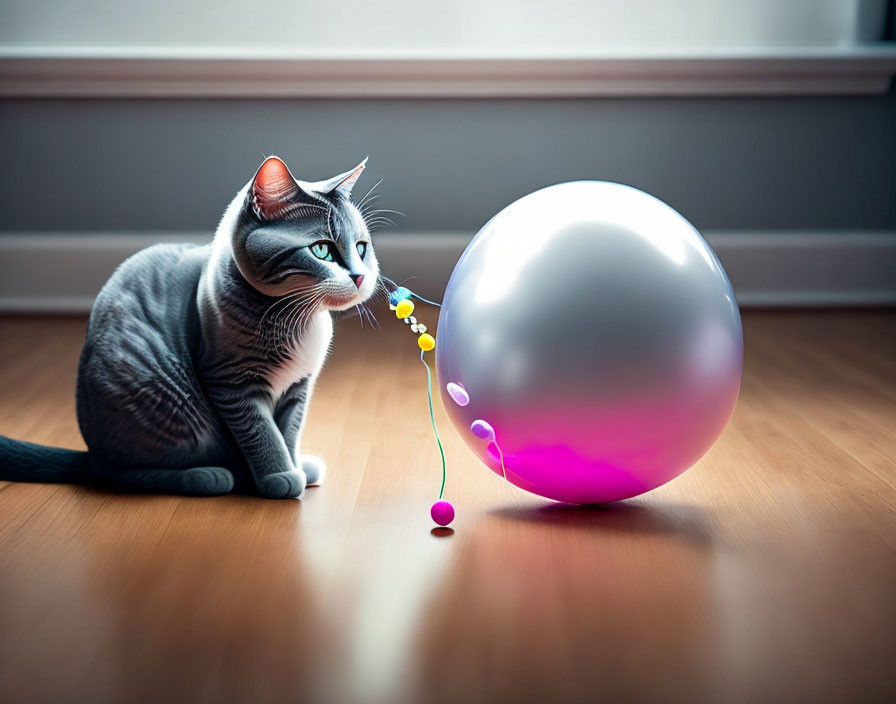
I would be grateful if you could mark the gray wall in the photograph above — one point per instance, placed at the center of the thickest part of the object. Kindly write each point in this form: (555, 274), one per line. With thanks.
(725, 163)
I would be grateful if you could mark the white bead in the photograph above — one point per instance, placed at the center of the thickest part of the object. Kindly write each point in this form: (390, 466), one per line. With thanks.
(412, 319)
(415, 328)
(421, 328)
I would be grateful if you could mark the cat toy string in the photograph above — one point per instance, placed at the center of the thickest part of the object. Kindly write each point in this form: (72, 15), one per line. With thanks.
(442, 511)
(432, 419)
(401, 289)
(483, 430)
(501, 457)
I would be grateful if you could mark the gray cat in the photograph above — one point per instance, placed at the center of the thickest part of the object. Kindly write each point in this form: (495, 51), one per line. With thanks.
(199, 361)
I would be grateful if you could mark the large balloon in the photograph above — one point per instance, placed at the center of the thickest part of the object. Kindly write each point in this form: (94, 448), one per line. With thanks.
(589, 344)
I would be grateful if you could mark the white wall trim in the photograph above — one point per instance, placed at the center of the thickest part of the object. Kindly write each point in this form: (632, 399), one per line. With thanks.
(160, 72)
(62, 272)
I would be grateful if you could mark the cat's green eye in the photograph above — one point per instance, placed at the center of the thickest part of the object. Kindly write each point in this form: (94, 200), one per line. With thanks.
(362, 249)
(323, 250)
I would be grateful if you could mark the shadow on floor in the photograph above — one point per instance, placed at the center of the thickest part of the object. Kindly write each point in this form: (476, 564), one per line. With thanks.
(687, 522)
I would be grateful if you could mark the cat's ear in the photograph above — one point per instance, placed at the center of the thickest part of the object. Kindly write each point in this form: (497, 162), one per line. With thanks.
(343, 183)
(274, 191)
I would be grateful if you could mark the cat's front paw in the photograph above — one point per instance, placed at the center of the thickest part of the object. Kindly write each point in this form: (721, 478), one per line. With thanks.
(314, 469)
(282, 485)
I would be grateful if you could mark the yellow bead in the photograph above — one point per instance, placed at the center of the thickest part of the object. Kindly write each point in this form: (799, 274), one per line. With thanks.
(426, 342)
(404, 309)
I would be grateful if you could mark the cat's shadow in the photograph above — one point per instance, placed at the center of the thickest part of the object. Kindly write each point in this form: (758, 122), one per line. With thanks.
(688, 523)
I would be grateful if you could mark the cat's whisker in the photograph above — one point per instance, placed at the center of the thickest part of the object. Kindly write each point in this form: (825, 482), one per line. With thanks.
(293, 302)
(380, 227)
(279, 301)
(369, 211)
(373, 318)
(380, 220)
(367, 201)
(370, 318)
(296, 319)
(288, 298)
(388, 210)
(379, 214)
(380, 291)
(371, 216)
(369, 191)
(374, 323)
(368, 207)
(292, 325)
(309, 311)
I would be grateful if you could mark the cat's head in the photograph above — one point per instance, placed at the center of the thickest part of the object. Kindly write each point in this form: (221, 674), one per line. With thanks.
(290, 236)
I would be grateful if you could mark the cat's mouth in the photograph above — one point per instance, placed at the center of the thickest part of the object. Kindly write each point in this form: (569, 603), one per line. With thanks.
(342, 303)
(339, 295)
(345, 299)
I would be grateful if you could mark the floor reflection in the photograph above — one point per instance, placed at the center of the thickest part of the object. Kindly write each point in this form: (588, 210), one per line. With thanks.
(216, 608)
(386, 581)
(550, 602)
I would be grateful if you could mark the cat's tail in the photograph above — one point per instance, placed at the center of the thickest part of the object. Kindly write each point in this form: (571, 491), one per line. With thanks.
(22, 461)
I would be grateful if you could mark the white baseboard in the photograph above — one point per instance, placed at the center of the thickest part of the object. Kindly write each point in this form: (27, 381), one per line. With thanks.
(62, 272)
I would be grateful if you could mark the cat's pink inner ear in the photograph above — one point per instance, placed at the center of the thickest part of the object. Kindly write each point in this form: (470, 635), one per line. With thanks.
(274, 190)
(346, 184)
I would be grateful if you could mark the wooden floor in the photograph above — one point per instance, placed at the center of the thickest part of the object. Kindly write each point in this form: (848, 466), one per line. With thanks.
(767, 573)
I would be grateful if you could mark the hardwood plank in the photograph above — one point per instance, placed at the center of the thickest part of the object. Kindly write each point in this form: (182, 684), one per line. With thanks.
(766, 573)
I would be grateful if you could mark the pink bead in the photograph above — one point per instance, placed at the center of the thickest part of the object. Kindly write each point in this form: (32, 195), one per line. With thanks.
(442, 512)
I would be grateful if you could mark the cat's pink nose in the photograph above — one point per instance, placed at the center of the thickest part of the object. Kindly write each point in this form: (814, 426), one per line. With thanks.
(358, 279)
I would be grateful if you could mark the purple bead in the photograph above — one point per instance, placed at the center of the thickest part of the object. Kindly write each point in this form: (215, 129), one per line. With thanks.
(482, 429)
(458, 393)
(442, 512)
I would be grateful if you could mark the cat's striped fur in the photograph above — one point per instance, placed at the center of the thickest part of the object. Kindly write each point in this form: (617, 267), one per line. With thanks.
(199, 362)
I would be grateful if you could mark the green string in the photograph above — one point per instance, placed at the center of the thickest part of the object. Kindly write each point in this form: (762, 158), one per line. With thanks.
(432, 418)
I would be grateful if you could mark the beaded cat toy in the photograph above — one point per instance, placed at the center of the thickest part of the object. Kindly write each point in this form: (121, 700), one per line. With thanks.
(442, 511)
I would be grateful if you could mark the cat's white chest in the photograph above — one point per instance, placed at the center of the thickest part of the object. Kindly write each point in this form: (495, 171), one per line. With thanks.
(307, 356)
